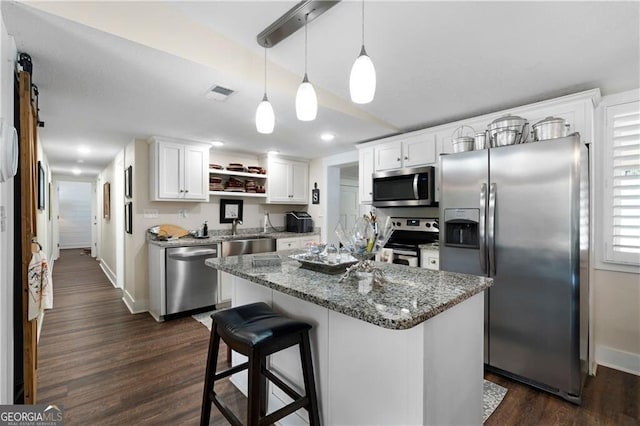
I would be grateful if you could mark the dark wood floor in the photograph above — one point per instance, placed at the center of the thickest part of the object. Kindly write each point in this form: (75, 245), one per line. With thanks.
(106, 366)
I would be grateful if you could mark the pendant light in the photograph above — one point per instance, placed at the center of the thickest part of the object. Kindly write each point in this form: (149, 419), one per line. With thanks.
(306, 99)
(265, 118)
(362, 81)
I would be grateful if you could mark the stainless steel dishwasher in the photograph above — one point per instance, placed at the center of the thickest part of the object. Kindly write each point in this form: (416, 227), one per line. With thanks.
(190, 284)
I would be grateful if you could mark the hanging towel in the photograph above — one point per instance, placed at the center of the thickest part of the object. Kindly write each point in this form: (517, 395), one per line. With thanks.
(40, 285)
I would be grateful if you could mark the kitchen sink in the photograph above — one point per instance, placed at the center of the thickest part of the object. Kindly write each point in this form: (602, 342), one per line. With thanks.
(244, 245)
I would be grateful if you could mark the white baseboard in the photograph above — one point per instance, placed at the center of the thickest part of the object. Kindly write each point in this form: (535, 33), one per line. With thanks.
(135, 307)
(108, 272)
(619, 360)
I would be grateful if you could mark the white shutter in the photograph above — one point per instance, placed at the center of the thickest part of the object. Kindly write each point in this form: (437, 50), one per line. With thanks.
(623, 141)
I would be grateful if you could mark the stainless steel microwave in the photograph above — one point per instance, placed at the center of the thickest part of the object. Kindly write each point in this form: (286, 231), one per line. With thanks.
(404, 187)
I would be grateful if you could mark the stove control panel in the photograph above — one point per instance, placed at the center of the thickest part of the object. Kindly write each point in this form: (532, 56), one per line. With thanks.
(423, 224)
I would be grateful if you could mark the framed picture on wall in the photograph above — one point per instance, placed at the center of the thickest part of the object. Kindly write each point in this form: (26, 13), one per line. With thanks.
(41, 187)
(128, 172)
(106, 200)
(128, 220)
(230, 210)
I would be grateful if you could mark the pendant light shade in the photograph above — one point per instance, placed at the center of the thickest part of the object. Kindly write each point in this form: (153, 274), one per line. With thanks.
(265, 117)
(306, 101)
(362, 81)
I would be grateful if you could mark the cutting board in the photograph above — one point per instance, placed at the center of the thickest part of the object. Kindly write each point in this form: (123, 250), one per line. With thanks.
(172, 231)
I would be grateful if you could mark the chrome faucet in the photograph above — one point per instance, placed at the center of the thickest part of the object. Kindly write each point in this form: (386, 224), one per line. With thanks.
(234, 226)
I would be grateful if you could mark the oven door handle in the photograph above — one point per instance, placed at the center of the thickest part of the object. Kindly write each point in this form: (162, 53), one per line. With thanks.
(405, 252)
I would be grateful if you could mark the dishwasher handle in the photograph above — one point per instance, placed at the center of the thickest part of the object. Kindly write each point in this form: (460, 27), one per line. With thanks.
(194, 253)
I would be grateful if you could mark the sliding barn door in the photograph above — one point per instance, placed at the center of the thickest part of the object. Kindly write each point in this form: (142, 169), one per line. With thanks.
(28, 231)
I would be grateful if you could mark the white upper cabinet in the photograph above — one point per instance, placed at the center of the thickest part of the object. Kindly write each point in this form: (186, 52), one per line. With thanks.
(365, 170)
(419, 150)
(411, 151)
(424, 147)
(179, 171)
(288, 181)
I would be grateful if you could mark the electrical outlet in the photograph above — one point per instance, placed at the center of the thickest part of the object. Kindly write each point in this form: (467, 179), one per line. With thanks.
(182, 213)
(150, 213)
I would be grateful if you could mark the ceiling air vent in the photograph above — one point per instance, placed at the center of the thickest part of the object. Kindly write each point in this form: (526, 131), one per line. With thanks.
(218, 93)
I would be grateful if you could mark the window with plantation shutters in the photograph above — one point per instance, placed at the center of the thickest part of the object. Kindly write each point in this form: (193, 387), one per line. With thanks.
(622, 189)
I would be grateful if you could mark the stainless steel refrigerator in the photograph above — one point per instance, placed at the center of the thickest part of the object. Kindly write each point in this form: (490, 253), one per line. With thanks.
(520, 214)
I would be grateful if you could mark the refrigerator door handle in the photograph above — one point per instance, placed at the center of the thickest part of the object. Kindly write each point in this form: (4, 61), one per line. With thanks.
(491, 229)
(481, 225)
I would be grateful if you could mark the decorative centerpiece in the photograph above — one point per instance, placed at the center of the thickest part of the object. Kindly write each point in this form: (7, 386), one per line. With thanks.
(363, 242)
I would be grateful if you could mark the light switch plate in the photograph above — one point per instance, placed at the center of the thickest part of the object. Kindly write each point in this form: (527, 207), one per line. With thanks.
(182, 213)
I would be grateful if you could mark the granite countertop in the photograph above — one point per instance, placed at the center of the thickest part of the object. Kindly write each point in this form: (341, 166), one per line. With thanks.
(429, 246)
(409, 297)
(216, 236)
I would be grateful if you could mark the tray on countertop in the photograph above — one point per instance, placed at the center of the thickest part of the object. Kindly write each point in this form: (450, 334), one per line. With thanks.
(320, 264)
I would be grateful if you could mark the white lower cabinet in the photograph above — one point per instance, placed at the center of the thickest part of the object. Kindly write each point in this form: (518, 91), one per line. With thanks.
(430, 259)
(295, 242)
(156, 265)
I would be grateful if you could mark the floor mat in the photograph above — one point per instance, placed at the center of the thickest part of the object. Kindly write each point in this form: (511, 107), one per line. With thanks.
(492, 396)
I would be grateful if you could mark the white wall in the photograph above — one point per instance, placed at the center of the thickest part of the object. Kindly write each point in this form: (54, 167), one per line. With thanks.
(107, 226)
(7, 60)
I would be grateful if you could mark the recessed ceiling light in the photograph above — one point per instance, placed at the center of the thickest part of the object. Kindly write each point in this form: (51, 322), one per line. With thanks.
(84, 149)
(76, 171)
(327, 137)
(217, 143)
(273, 152)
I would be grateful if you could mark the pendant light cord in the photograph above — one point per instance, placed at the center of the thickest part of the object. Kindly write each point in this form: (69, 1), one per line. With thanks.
(363, 22)
(265, 71)
(306, 17)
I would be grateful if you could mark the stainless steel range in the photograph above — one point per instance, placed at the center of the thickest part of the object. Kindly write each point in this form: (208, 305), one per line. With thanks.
(408, 234)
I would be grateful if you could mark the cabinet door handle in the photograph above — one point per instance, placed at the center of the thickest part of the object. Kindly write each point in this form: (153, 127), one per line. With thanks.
(186, 190)
(398, 159)
(371, 193)
(406, 158)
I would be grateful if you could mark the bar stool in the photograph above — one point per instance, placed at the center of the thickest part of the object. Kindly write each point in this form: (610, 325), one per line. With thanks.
(256, 331)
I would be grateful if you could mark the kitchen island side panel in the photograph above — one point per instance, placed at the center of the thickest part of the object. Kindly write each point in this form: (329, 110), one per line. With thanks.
(366, 374)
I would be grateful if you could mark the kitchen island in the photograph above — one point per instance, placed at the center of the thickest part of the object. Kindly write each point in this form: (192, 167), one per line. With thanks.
(408, 352)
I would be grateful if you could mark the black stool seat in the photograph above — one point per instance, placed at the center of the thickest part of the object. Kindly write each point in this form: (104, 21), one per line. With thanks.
(256, 331)
(255, 324)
